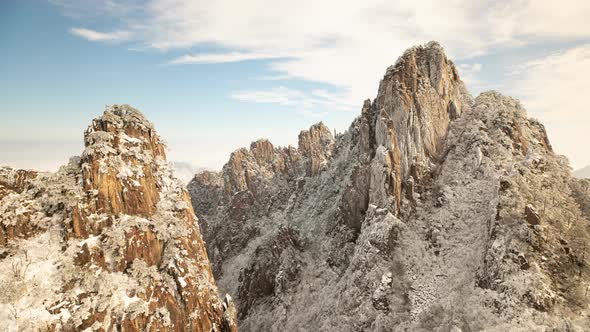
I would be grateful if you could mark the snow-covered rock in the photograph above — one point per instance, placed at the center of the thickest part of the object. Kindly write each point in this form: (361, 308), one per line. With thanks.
(433, 212)
(109, 242)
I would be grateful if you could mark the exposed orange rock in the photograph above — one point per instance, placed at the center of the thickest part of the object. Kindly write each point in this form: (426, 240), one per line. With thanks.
(401, 133)
(124, 167)
(316, 144)
(418, 98)
(118, 146)
(128, 227)
(263, 151)
(251, 169)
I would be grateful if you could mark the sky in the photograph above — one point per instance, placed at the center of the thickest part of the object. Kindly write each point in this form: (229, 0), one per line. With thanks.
(215, 75)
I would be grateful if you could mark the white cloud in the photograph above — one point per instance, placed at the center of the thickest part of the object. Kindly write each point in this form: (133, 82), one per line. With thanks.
(349, 43)
(205, 58)
(344, 43)
(101, 36)
(470, 75)
(554, 88)
(307, 103)
(279, 95)
(473, 67)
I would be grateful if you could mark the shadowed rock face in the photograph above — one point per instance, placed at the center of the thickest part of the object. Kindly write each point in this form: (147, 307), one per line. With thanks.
(433, 212)
(122, 241)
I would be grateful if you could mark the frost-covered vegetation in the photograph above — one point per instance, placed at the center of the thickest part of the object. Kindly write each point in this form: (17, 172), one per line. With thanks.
(109, 242)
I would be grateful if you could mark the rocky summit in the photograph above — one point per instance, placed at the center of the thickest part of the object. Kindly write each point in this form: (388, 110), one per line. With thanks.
(435, 211)
(108, 243)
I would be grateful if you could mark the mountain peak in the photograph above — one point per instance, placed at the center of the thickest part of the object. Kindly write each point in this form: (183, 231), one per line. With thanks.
(427, 61)
(434, 211)
(121, 159)
(417, 100)
(121, 114)
(123, 232)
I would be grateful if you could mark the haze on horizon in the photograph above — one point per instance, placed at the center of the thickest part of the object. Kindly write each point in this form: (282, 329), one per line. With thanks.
(215, 75)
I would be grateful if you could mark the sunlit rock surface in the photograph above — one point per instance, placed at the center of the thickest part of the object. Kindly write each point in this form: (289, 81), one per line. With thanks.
(109, 242)
(435, 211)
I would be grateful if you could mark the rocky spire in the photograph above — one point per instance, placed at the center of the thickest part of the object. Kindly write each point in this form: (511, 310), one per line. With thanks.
(128, 227)
(125, 173)
(119, 162)
(400, 134)
(417, 100)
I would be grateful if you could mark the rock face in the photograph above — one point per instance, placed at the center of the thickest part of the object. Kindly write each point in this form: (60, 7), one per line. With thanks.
(253, 169)
(17, 216)
(110, 242)
(433, 212)
(316, 145)
(418, 98)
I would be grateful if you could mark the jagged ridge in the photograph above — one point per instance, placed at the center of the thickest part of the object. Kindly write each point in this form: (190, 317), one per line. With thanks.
(425, 216)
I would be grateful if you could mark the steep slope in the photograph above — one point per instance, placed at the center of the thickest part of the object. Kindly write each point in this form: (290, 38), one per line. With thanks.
(433, 212)
(109, 242)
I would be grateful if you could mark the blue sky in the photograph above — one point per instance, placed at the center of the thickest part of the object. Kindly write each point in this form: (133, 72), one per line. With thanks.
(215, 75)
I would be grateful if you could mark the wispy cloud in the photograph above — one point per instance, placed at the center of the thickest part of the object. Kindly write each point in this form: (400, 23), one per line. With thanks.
(205, 58)
(348, 44)
(471, 67)
(115, 36)
(308, 102)
(470, 75)
(274, 77)
(279, 95)
(555, 84)
(553, 88)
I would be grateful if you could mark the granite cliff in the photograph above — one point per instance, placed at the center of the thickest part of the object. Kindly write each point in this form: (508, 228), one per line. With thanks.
(109, 242)
(435, 211)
